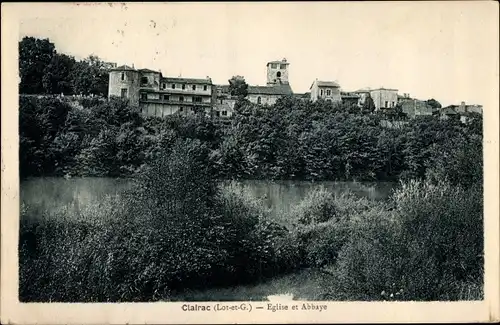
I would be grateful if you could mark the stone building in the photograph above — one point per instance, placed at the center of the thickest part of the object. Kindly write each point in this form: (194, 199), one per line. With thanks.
(463, 108)
(350, 98)
(224, 104)
(157, 95)
(414, 108)
(326, 90)
(277, 86)
(384, 98)
(362, 94)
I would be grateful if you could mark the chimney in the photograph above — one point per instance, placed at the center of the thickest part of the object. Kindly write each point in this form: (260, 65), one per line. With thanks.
(462, 107)
(284, 60)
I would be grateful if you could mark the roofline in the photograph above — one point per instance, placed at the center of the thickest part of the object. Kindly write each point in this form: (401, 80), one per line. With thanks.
(384, 89)
(280, 62)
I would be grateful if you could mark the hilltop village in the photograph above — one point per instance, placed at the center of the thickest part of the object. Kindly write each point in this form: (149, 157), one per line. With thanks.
(159, 95)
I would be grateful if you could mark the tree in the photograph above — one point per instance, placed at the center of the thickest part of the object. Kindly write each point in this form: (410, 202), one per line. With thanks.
(433, 103)
(57, 75)
(238, 87)
(369, 105)
(90, 76)
(35, 55)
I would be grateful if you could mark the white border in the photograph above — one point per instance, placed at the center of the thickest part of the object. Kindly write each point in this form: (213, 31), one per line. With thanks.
(349, 312)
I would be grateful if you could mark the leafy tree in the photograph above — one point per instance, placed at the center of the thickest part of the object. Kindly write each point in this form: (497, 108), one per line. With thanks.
(35, 55)
(433, 103)
(90, 76)
(369, 105)
(238, 87)
(57, 75)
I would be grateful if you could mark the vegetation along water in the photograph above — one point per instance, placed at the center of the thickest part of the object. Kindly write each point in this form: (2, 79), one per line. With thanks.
(117, 206)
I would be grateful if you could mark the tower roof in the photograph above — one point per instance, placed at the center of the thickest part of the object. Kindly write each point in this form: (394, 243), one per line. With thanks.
(123, 68)
(279, 62)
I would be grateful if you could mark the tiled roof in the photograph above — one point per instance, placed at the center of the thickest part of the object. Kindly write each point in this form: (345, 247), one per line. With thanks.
(283, 89)
(327, 84)
(278, 62)
(148, 71)
(123, 68)
(382, 88)
(188, 80)
(363, 90)
(349, 95)
(449, 110)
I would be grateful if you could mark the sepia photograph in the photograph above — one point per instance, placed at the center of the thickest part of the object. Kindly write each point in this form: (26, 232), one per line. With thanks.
(269, 158)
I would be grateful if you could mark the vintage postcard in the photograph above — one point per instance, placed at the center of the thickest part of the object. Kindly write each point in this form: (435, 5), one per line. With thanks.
(250, 162)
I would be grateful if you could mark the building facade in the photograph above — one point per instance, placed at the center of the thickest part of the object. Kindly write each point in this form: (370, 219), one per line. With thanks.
(157, 95)
(414, 108)
(351, 99)
(384, 98)
(463, 108)
(277, 86)
(326, 90)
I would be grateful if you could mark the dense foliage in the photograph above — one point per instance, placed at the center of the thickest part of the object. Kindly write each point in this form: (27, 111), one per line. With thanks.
(177, 228)
(43, 70)
(184, 223)
(292, 139)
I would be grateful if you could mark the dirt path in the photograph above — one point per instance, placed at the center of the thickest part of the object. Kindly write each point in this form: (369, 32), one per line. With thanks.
(306, 284)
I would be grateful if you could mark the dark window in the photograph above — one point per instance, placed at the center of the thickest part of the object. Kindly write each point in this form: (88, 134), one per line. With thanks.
(328, 92)
(166, 97)
(205, 87)
(393, 104)
(173, 86)
(258, 100)
(217, 113)
(164, 86)
(283, 66)
(123, 75)
(224, 113)
(144, 80)
(321, 92)
(144, 96)
(221, 101)
(278, 74)
(181, 109)
(183, 86)
(194, 87)
(181, 99)
(197, 99)
(386, 104)
(274, 65)
(124, 92)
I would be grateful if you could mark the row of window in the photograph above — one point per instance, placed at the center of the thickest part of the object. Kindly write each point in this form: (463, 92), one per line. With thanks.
(195, 99)
(393, 104)
(145, 81)
(275, 66)
(328, 92)
(183, 86)
(223, 113)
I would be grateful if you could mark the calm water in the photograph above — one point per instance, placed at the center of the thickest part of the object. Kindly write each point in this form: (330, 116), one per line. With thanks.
(55, 193)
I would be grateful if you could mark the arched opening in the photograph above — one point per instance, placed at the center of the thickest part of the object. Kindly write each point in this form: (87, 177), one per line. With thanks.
(258, 100)
(278, 74)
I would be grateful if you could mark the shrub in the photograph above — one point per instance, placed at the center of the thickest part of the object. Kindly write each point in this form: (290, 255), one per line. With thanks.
(428, 248)
(324, 224)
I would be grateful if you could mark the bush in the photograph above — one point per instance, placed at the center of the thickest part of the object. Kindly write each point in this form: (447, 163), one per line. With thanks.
(430, 247)
(324, 222)
(175, 229)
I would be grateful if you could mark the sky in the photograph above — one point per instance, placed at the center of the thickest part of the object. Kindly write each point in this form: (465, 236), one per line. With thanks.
(445, 51)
